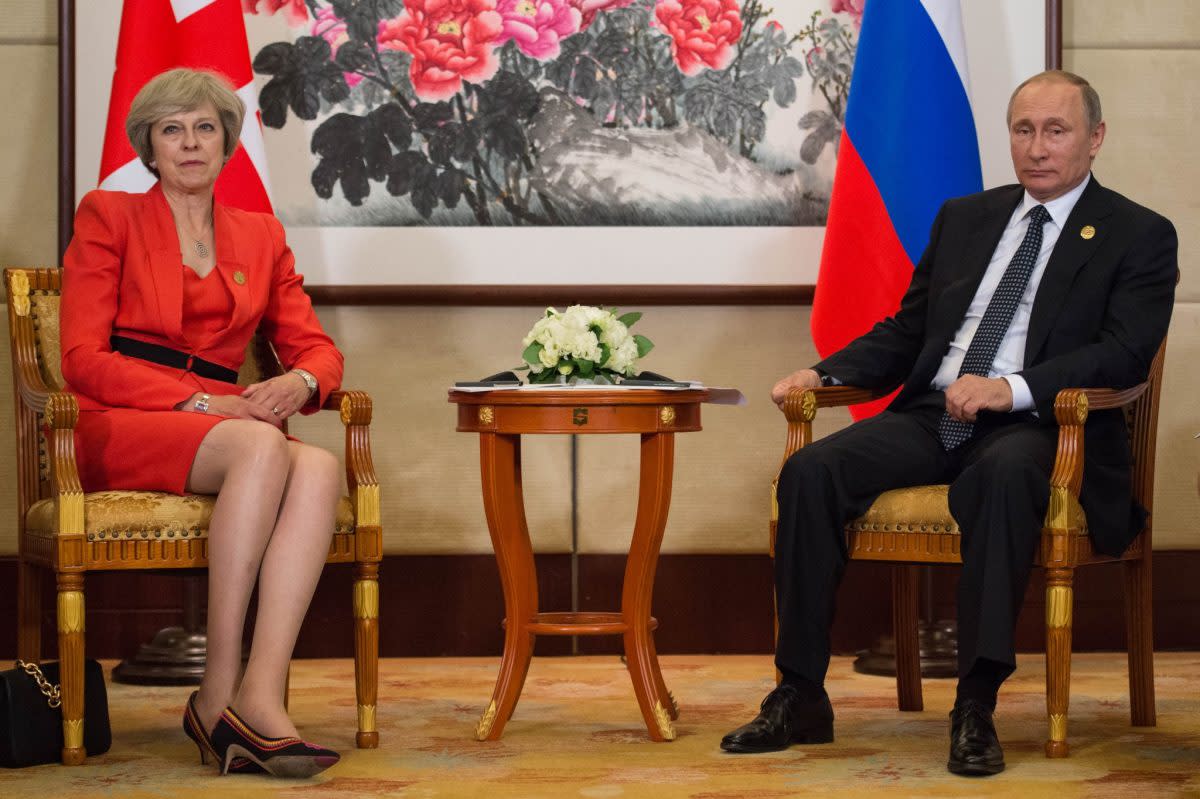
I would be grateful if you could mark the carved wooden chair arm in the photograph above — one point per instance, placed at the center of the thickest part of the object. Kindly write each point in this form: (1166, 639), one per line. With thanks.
(30, 385)
(355, 410)
(61, 412)
(1071, 408)
(800, 408)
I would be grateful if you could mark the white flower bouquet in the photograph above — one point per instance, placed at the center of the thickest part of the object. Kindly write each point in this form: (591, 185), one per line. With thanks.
(583, 343)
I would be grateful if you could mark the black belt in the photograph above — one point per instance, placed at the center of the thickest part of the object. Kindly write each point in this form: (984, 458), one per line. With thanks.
(166, 356)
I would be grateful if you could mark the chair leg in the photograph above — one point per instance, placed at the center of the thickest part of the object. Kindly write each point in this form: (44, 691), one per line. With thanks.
(1139, 632)
(774, 599)
(70, 654)
(905, 588)
(1059, 602)
(366, 651)
(29, 611)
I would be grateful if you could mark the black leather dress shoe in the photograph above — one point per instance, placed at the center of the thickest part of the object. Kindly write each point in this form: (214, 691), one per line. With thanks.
(785, 718)
(974, 748)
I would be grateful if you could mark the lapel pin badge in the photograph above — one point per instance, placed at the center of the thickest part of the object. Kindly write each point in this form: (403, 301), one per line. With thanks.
(240, 278)
(1087, 232)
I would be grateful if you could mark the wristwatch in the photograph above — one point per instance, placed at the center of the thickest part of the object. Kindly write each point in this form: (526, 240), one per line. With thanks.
(308, 379)
(826, 380)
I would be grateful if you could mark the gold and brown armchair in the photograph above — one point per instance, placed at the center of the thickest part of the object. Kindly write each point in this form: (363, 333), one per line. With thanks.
(69, 533)
(911, 526)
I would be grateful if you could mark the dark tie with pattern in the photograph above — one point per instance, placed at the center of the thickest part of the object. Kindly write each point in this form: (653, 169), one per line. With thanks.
(996, 319)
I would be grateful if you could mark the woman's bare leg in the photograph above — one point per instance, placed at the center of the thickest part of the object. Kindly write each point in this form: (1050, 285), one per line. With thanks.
(291, 567)
(245, 463)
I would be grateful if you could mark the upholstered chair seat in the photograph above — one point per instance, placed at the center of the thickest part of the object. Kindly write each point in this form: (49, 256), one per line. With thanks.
(145, 515)
(916, 522)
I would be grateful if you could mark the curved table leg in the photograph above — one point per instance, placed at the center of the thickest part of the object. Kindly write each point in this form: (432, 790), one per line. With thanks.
(654, 499)
(503, 501)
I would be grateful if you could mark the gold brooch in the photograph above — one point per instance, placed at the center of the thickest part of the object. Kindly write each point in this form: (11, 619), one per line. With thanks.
(1087, 232)
(239, 277)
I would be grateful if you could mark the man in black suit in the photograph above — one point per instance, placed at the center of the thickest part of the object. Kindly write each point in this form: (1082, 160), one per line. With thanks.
(1022, 291)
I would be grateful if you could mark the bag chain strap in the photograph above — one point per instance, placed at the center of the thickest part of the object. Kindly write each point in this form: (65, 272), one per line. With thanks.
(53, 693)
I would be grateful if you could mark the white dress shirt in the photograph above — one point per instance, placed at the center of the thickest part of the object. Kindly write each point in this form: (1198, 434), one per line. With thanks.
(1010, 357)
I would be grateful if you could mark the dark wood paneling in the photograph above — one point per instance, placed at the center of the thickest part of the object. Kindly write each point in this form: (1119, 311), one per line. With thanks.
(431, 605)
(722, 604)
(452, 605)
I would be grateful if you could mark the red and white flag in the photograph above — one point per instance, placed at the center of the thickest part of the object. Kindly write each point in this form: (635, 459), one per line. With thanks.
(157, 35)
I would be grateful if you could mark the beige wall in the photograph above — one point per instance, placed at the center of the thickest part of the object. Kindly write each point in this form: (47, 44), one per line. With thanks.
(1143, 58)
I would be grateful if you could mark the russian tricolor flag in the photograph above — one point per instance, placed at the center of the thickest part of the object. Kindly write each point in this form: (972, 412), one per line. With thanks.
(908, 146)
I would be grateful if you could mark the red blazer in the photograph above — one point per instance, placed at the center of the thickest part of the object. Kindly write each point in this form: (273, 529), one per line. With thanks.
(123, 275)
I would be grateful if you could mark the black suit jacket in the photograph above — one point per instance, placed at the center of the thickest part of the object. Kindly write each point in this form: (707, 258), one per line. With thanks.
(1099, 315)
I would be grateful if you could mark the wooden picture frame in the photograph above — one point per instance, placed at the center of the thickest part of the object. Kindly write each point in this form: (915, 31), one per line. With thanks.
(472, 293)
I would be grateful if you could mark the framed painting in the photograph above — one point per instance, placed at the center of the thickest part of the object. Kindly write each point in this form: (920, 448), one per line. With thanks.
(569, 150)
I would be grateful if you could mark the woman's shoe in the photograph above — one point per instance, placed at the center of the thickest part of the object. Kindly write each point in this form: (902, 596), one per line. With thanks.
(195, 730)
(233, 738)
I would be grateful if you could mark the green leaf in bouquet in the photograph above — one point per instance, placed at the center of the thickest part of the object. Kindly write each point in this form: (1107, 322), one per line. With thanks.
(644, 345)
(605, 353)
(531, 353)
(585, 368)
(630, 318)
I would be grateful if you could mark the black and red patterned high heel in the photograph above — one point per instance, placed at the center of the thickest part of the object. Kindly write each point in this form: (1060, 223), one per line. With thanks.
(194, 729)
(292, 758)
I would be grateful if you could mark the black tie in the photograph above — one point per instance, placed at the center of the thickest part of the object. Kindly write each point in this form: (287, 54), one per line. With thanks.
(982, 351)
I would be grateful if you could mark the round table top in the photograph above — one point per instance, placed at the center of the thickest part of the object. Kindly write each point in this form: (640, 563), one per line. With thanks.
(590, 395)
(579, 410)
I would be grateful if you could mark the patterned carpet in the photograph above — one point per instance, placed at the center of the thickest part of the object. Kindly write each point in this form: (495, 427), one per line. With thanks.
(577, 733)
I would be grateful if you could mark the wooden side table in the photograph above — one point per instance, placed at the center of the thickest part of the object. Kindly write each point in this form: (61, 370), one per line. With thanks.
(501, 418)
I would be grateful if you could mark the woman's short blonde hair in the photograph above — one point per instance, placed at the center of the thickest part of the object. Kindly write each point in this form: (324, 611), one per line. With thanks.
(176, 91)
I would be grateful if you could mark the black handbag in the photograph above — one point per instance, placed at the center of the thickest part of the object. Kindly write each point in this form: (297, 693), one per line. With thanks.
(31, 714)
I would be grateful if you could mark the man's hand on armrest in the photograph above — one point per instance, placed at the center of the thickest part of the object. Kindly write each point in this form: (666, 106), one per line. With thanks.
(805, 378)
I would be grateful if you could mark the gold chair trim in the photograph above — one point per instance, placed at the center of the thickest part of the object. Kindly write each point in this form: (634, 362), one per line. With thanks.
(366, 718)
(73, 734)
(71, 618)
(1058, 606)
(366, 599)
(18, 289)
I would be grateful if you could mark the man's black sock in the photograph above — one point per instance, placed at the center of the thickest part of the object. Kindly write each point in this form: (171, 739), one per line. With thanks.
(983, 681)
(809, 690)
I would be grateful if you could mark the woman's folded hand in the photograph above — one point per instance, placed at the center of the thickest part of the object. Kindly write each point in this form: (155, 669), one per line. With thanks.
(240, 408)
(280, 396)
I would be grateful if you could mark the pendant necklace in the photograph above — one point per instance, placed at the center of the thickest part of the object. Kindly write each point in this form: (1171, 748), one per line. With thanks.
(201, 248)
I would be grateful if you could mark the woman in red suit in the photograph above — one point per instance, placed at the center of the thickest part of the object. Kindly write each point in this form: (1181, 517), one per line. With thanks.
(162, 292)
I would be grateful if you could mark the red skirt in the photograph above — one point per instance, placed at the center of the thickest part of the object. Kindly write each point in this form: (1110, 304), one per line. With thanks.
(137, 450)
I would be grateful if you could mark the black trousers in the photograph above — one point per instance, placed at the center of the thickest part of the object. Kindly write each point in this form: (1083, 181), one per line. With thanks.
(999, 493)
